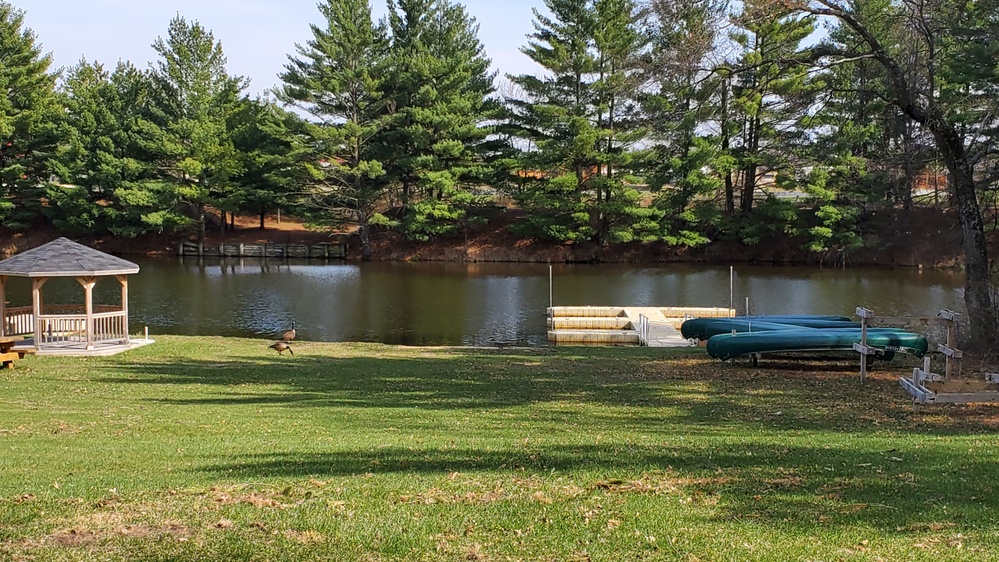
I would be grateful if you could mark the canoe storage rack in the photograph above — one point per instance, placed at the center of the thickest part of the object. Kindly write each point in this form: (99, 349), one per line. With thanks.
(927, 387)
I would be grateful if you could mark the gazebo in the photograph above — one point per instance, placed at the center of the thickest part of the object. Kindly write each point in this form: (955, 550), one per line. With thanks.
(67, 329)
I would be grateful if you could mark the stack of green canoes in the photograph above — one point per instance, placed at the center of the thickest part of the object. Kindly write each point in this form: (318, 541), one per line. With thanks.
(752, 335)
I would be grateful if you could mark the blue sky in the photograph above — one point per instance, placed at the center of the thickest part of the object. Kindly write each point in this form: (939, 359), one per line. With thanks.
(256, 35)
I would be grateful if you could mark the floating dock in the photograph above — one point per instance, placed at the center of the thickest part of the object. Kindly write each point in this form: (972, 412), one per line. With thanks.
(628, 325)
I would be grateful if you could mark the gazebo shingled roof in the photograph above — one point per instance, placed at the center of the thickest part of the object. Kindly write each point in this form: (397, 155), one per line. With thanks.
(64, 258)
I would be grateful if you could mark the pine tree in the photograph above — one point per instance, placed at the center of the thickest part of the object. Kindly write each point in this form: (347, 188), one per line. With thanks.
(437, 86)
(771, 96)
(337, 79)
(862, 150)
(113, 185)
(685, 119)
(29, 118)
(582, 125)
(195, 97)
(275, 154)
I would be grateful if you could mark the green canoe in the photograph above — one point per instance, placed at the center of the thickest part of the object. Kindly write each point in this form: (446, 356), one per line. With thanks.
(727, 346)
(694, 328)
(726, 326)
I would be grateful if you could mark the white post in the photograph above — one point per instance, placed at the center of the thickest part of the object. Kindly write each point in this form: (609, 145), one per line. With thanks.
(3, 306)
(862, 348)
(950, 346)
(863, 356)
(36, 305)
(950, 354)
(747, 306)
(731, 287)
(551, 288)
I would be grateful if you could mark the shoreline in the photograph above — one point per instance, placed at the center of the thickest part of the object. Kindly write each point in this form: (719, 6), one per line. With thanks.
(930, 239)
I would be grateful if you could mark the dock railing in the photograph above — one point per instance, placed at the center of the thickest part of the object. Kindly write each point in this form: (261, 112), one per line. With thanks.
(644, 327)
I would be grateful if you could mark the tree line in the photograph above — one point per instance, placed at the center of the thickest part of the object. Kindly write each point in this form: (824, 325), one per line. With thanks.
(672, 122)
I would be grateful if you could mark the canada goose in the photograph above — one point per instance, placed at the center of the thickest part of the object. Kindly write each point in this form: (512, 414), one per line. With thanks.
(290, 334)
(280, 346)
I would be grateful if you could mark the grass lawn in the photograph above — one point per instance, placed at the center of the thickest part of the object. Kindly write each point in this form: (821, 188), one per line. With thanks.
(219, 449)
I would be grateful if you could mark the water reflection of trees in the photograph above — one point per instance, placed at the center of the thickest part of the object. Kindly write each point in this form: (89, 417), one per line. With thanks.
(485, 303)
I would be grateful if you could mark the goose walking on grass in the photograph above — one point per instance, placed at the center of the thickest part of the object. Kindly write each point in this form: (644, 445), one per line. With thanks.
(290, 334)
(280, 347)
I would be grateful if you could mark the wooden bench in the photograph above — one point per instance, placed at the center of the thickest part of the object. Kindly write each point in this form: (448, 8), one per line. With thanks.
(8, 354)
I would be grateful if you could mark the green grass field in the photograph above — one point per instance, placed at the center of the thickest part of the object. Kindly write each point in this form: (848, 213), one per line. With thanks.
(219, 449)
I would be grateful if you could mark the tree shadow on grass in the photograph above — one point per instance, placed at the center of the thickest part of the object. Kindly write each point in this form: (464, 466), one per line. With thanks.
(804, 486)
(688, 389)
(734, 418)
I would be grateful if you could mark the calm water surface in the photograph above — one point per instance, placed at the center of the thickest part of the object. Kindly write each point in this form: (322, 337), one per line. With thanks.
(474, 304)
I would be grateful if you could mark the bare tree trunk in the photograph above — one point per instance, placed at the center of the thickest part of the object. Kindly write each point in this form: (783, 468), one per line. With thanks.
(978, 296)
(729, 187)
(729, 193)
(749, 180)
(748, 188)
(909, 167)
(365, 232)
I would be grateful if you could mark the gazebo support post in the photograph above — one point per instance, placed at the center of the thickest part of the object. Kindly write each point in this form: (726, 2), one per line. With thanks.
(3, 305)
(36, 306)
(124, 305)
(88, 290)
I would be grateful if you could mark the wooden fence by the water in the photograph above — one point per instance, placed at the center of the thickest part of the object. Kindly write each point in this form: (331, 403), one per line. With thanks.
(323, 250)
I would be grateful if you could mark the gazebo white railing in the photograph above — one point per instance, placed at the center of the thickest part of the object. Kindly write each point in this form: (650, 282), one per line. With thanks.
(19, 321)
(69, 323)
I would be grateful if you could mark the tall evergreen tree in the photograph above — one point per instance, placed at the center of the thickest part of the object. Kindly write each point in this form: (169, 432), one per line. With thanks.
(581, 122)
(437, 89)
(771, 95)
(195, 97)
(861, 151)
(275, 155)
(29, 116)
(680, 104)
(554, 118)
(107, 158)
(338, 79)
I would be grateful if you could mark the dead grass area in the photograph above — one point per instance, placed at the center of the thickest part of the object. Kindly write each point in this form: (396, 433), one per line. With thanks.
(85, 537)
(111, 519)
(95, 528)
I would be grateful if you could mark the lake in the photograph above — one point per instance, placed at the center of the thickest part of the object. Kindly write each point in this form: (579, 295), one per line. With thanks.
(477, 303)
